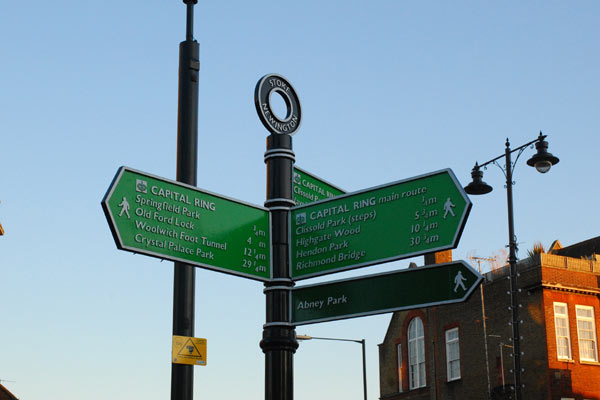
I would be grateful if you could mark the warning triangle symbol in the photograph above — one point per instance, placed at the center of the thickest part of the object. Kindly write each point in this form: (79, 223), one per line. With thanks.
(189, 349)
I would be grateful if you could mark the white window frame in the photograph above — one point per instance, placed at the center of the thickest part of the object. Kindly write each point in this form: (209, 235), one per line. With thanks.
(417, 371)
(399, 361)
(594, 341)
(560, 316)
(450, 342)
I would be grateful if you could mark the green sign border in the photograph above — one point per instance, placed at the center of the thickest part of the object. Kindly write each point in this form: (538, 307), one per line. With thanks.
(456, 239)
(112, 224)
(478, 280)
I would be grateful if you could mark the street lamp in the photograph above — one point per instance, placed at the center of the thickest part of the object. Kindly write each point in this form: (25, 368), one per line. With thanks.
(542, 161)
(362, 342)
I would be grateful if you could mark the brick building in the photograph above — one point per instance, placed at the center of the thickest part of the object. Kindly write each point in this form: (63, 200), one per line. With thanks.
(5, 394)
(463, 351)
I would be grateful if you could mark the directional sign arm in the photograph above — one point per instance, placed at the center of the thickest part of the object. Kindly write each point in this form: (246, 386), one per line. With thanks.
(171, 220)
(309, 188)
(380, 293)
(398, 220)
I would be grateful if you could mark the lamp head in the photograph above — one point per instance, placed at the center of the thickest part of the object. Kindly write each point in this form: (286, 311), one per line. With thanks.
(542, 160)
(477, 186)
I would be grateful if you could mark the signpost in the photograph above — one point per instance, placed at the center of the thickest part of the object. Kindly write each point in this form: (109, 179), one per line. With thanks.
(309, 188)
(381, 293)
(308, 228)
(279, 336)
(402, 219)
(170, 220)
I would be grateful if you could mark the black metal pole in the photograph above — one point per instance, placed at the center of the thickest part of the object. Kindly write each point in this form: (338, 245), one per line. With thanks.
(184, 285)
(364, 368)
(279, 336)
(364, 357)
(514, 291)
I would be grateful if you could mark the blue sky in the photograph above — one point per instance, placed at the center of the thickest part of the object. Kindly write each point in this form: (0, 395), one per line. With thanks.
(389, 90)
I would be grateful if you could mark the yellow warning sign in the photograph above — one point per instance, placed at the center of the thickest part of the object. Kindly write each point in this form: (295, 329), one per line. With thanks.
(189, 350)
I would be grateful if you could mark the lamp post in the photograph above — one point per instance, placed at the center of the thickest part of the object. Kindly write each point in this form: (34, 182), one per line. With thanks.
(184, 276)
(542, 161)
(484, 323)
(361, 341)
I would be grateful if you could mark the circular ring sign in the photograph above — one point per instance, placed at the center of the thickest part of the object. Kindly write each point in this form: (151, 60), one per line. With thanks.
(265, 87)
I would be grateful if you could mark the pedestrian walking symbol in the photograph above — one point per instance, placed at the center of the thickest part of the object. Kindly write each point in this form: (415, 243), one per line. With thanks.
(124, 208)
(459, 280)
(448, 206)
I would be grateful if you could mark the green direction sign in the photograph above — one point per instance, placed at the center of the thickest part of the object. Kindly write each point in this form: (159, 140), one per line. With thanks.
(309, 188)
(174, 221)
(381, 293)
(399, 220)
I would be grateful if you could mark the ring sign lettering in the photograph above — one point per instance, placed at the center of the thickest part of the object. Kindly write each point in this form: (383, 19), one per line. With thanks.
(265, 88)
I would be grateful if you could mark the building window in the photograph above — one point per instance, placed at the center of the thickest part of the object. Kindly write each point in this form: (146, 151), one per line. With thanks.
(399, 349)
(452, 355)
(586, 332)
(416, 354)
(561, 325)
